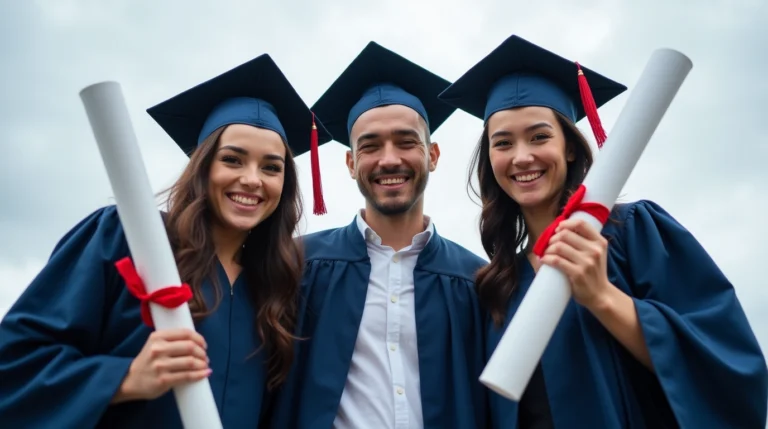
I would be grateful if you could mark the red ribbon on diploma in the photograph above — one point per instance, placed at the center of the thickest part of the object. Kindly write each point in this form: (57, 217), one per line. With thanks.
(599, 211)
(168, 297)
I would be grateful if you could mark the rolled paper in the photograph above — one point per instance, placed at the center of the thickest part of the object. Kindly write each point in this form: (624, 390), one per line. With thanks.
(523, 343)
(144, 231)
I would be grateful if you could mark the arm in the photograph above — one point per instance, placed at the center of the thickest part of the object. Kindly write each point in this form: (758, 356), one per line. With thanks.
(617, 313)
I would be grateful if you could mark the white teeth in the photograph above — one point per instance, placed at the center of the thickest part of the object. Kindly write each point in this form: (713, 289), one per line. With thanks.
(244, 200)
(528, 177)
(392, 181)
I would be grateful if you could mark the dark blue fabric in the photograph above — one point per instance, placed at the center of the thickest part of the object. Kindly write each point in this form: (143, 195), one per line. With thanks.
(67, 343)
(519, 73)
(450, 332)
(710, 371)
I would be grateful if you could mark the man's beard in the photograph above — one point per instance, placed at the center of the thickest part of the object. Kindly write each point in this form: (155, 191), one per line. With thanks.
(395, 208)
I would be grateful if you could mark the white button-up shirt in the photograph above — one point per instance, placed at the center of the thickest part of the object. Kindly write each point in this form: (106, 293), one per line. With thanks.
(383, 388)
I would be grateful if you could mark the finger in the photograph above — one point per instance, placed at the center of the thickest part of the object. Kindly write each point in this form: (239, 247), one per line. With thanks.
(178, 335)
(173, 379)
(163, 349)
(572, 239)
(562, 249)
(179, 364)
(568, 268)
(580, 227)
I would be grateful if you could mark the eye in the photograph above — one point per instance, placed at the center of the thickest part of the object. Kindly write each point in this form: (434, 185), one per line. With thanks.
(501, 143)
(274, 168)
(230, 159)
(541, 137)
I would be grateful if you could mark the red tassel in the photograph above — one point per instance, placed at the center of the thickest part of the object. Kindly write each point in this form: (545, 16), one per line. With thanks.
(317, 187)
(590, 108)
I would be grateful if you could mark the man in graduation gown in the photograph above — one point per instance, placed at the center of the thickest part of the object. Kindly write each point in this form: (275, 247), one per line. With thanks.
(392, 326)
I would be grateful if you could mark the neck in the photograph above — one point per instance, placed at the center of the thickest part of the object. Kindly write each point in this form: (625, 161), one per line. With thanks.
(537, 219)
(227, 244)
(396, 231)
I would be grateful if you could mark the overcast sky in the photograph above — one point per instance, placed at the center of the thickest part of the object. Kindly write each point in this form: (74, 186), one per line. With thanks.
(702, 165)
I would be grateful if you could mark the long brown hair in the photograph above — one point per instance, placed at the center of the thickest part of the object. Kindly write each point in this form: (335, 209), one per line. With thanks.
(502, 227)
(271, 258)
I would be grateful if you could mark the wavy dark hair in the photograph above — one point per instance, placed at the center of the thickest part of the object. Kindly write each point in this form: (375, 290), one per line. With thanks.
(271, 258)
(502, 227)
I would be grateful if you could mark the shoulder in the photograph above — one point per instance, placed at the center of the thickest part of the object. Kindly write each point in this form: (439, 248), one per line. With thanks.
(102, 223)
(644, 227)
(335, 243)
(450, 258)
(624, 215)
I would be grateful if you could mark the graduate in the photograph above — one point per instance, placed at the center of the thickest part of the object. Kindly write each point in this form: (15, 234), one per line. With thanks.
(654, 336)
(393, 325)
(77, 349)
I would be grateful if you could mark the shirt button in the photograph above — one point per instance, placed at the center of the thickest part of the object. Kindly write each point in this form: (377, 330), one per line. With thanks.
(396, 258)
(399, 390)
(393, 298)
(392, 347)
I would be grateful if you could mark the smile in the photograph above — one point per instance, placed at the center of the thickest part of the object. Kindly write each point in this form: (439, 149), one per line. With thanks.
(245, 200)
(392, 181)
(527, 177)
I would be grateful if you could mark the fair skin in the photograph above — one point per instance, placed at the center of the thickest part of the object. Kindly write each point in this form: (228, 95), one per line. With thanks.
(529, 159)
(391, 162)
(245, 185)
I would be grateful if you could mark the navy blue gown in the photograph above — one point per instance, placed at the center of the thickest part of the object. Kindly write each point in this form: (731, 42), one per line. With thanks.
(67, 343)
(449, 321)
(710, 371)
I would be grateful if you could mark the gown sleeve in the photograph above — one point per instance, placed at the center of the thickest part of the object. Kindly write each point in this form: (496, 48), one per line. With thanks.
(53, 370)
(704, 352)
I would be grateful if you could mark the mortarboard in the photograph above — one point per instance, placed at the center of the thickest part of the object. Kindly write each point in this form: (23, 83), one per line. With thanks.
(255, 93)
(379, 77)
(519, 73)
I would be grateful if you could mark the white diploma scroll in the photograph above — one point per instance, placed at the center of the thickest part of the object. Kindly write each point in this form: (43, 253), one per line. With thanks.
(144, 230)
(523, 343)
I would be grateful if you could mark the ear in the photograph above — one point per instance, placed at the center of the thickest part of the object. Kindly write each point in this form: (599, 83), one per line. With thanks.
(570, 154)
(351, 163)
(434, 155)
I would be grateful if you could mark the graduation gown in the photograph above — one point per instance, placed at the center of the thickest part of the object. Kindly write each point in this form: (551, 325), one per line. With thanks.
(67, 343)
(449, 324)
(710, 371)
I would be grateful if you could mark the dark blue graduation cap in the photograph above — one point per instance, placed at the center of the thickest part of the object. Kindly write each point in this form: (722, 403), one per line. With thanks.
(379, 77)
(519, 73)
(256, 93)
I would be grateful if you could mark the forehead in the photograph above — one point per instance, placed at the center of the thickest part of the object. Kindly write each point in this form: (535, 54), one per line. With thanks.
(254, 139)
(520, 118)
(386, 119)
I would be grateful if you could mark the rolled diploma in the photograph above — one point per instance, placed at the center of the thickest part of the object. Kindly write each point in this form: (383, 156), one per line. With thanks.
(144, 231)
(523, 343)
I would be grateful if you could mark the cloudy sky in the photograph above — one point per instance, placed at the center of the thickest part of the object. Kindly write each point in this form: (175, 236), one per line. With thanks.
(702, 164)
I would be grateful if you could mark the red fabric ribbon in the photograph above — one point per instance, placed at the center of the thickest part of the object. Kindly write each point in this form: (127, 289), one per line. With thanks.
(599, 211)
(168, 297)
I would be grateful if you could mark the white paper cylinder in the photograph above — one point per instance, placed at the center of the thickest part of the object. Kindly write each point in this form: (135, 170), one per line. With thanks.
(523, 343)
(144, 230)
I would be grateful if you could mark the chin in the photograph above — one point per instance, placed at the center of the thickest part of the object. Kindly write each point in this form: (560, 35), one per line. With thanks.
(240, 225)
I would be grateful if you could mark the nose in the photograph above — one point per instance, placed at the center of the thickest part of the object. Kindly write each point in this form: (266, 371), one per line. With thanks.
(390, 156)
(523, 156)
(250, 178)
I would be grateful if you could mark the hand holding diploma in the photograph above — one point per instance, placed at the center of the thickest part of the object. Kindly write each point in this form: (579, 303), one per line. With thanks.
(524, 341)
(156, 277)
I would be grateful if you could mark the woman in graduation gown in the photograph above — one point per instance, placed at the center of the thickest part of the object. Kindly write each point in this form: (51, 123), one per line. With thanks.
(654, 336)
(77, 350)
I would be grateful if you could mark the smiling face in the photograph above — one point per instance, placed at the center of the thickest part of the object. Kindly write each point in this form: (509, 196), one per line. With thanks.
(392, 158)
(246, 176)
(528, 154)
